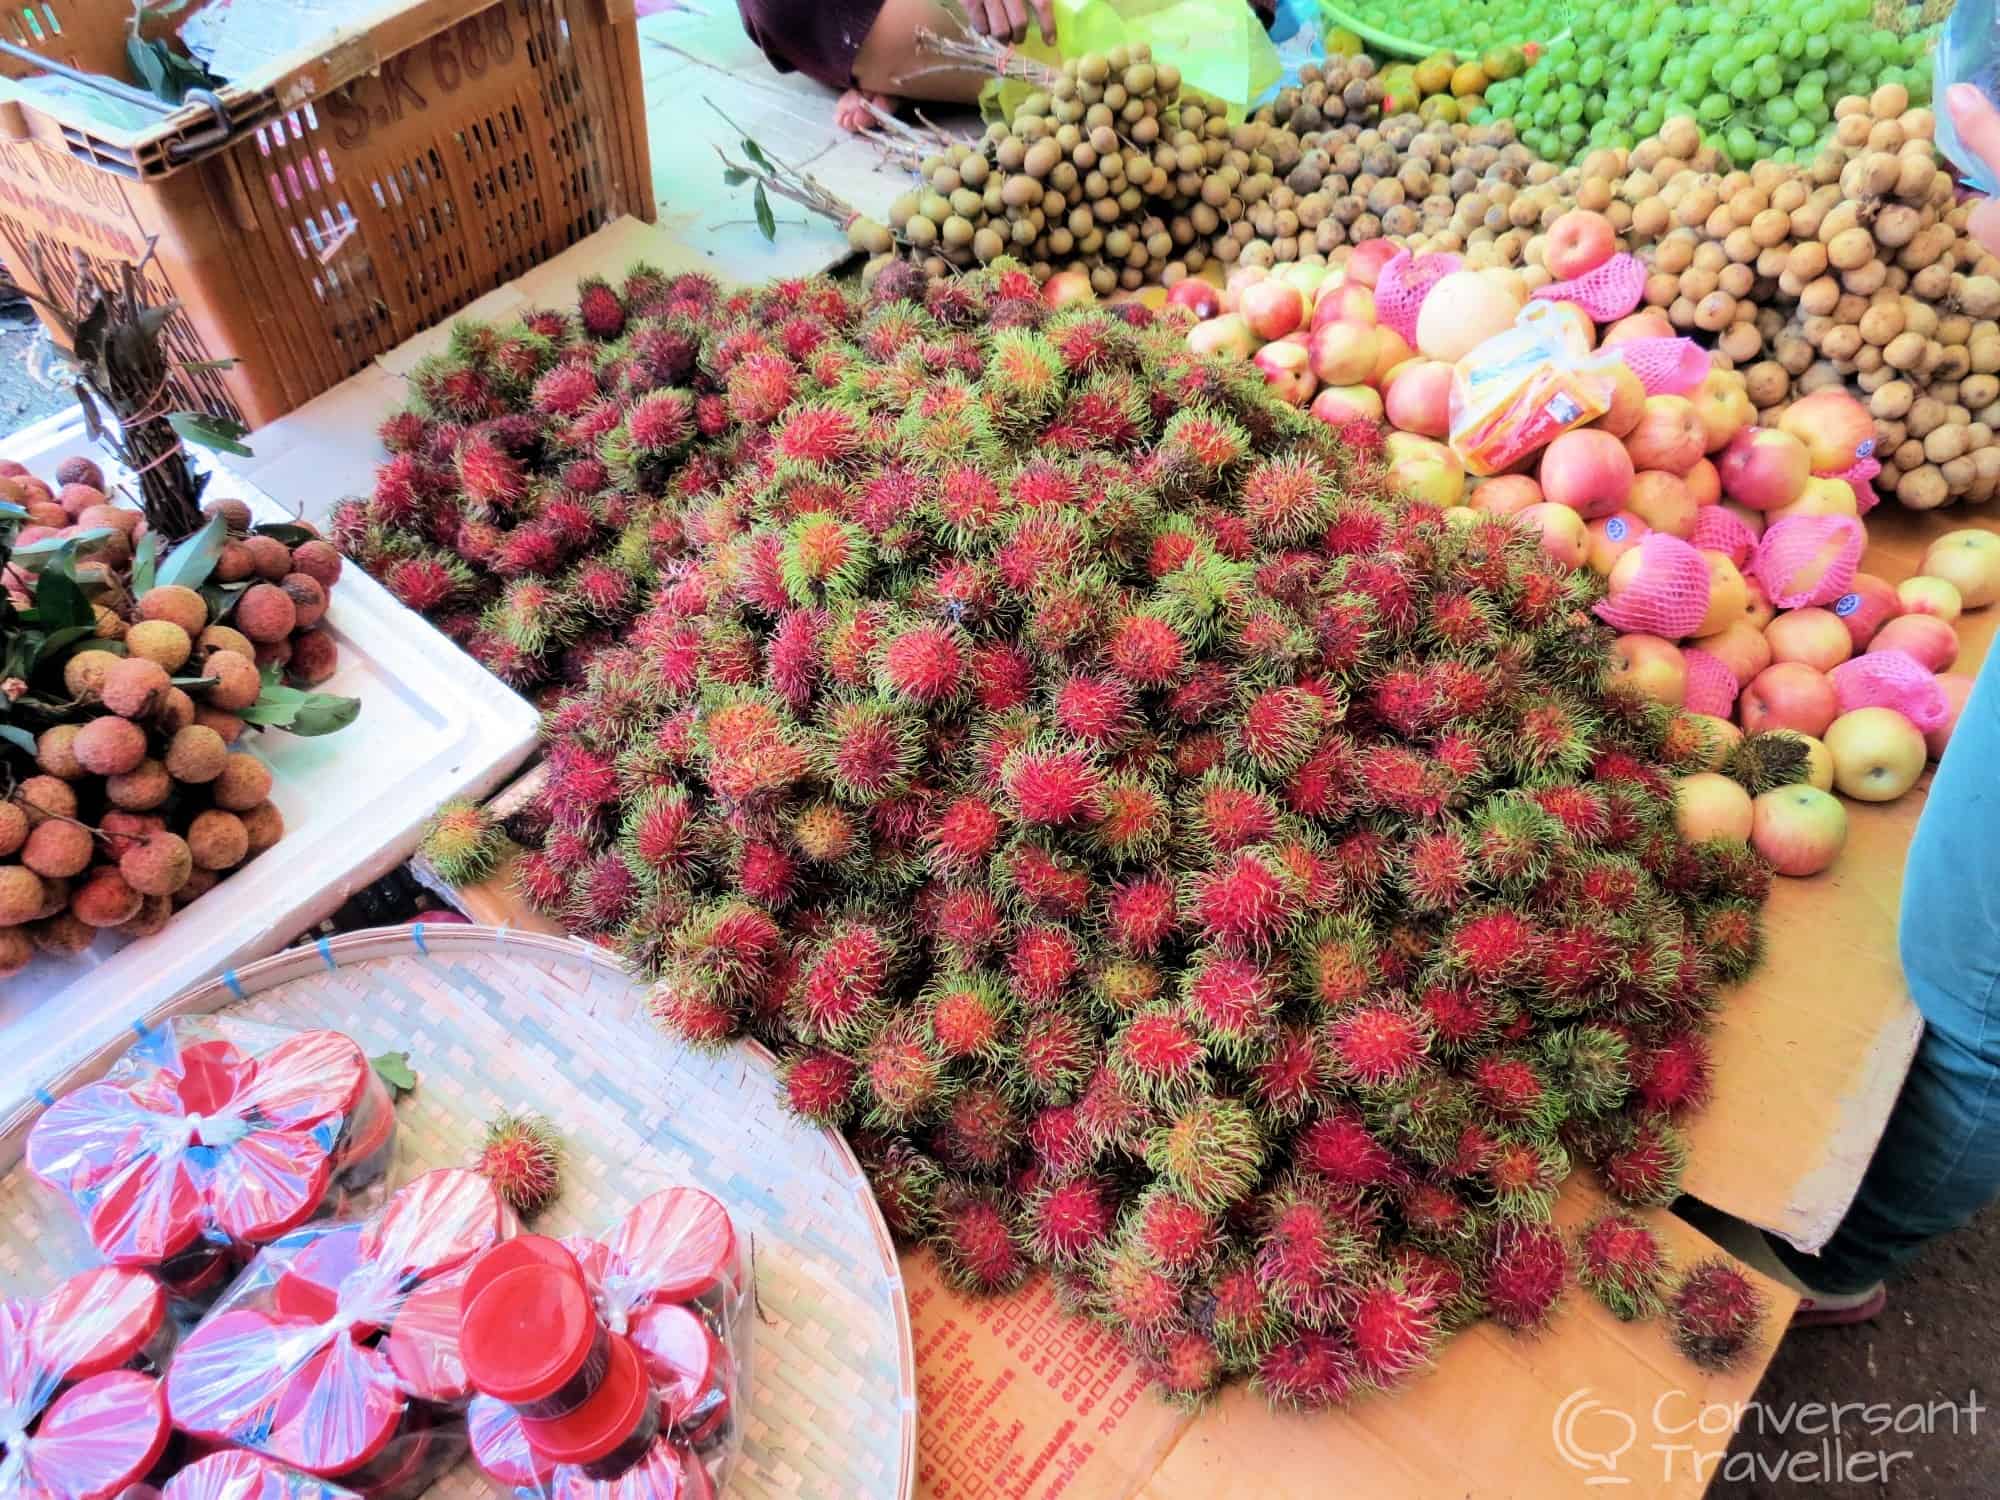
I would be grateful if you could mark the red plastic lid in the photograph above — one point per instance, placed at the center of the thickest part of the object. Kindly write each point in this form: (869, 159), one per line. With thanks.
(681, 1239)
(314, 1076)
(336, 1413)
(604, 1421)
(236, 1474)
(309, 1285)
(695, 1483)
(149, 1213)
(209, 1075)
(412, 1452)
(501, 1447)
(522, 1250)
(269, 1183)
(526, 1333)
(98, 1320)
(434, 1222)
(99, 1437)
(680, 1353)
(423, 1342)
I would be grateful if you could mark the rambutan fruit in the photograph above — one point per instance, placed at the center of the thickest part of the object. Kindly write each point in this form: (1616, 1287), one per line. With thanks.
(977, 1131)
(824, 557)
(1590, 1064)
(1045, 958)
(844, 979)
(1067, 1222)
(599, 309)
(924, 663)
(1209, 1151)
(818, 432)
(1053, 788)
(1513, 1090)
(1247, 903)
(684, 1003)
(489, 476)
(901, 1074)
(1277, 730)
(1136, 1294)
(1433, 1214)
(1494, 944)
(1186, 1366)
(1621, 1263)
(1394, 1326)
(1339, 1148)
(1379, 1045)
(1523, 1176)
(867, 750)
(1233, 1001)
(1288, 1074)
(1244, 1319)
(1526, 1267)
(1308, 1252)
(1436, 870)
(522, 1156)
(1644, 1162)
(1285, 499)
(1461, 1016)
(427, 584)
(967, 1017)
(905, 1182)
(1061, 1146)
(1146, 651)
(1120, 987)
(1170, 1230)
(1716, 1314)
(462, 843)
(973, 1237)
(1674, 1075)
(1732, 938)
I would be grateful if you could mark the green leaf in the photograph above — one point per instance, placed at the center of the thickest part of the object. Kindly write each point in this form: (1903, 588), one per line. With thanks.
(55, 640)
(286, 532)
(194, 682)
(735, 177)
(50, 545)
(223, 434)
(766, 224)
(145, 563)
(59, 603)
(221, 599)
(11, 512)
(324, 713)
(193, 560)
(756, 153)
(394, 1069)
(15, 735)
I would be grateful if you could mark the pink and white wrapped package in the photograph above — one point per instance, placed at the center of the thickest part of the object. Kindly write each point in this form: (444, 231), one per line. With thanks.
(67, 1433)
(1718, 529)
(1607, 293)
(1892, 679)
(1808, 560)
(1670, 594)
(1665, 367)
(234, 1474)
(1402, 285)
(1860, 476)
(1711, 687)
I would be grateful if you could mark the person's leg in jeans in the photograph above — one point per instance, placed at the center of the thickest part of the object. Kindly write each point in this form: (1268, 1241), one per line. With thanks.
(1939, 1161)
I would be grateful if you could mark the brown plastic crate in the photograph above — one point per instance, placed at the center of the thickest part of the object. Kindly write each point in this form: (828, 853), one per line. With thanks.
(364, 191)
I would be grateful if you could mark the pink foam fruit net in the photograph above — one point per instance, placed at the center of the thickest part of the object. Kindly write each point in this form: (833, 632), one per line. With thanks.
(1401, 286)
(1720, 530)
(1670, 594)
(1711, 686)
(1892, 679)
(1607, 293)
(1808, 560)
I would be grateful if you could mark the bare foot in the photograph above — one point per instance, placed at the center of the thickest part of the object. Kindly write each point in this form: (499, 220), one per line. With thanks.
(850, 110)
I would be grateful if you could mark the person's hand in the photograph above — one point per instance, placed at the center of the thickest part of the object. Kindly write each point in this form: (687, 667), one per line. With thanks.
(1007, 20)
(1978, 125)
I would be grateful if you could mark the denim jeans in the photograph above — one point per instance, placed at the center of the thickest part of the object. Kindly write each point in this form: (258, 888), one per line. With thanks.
(1939, 1161)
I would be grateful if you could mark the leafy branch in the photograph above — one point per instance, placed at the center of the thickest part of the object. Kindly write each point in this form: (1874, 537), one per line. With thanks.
(772, 176)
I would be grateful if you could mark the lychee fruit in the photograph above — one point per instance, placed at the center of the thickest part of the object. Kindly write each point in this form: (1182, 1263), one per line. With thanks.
(13, 828)
(196, 755)
(44, 797)
(157, 866)
(266, 613)
(522, 1157)
(217, 840)
(119, 831)
(105, 899)
(226, 725)
(16, 948)
(235, 513)
(319, 561)
(243, 783)
(85, 672)
(315, 658)
(140, 789)
(198, 885)
(21, 895)
(226, 638)
(175, 713)
(272, 557)
(171, 602)
(160, 641)
(58, 849)
(153, 914)
(308, 598)
(237, 684)
(80, 470)
(134, 687)
(63, 934)
(234, 563)
(55, 751)
(264, 825)
(109, 746)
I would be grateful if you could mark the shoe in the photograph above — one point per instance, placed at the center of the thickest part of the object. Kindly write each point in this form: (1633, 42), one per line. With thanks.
(1817, 1308)
(1833, 1310)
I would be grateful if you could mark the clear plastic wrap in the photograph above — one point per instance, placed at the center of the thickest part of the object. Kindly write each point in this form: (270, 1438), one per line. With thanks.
(198, 1146)
(81, 1415)
(1523, 387)
(308, 1357)
(611, 1368)
(234, 1474)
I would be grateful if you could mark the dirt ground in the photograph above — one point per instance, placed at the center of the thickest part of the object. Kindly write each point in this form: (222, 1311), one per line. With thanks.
(22, 399)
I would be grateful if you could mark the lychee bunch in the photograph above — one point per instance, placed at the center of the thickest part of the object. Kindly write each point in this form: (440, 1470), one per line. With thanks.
(1182, 864)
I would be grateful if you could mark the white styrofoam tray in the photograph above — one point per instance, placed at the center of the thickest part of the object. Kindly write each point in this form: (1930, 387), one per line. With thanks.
(433, 725)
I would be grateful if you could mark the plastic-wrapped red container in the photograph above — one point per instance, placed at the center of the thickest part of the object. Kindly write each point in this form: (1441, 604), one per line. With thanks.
(209, 1139)
(234, 1474)
(313, 1359)
(670, 1285)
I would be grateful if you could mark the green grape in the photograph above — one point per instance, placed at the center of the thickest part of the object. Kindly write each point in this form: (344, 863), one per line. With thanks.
(1571, 134)
(1816, 47)
(1919, 85)
(1742, 144)
(1714, 107)
(1794, 44)
(1591, 73)
(1649, 120)
(1781, 111)
(1801, 133)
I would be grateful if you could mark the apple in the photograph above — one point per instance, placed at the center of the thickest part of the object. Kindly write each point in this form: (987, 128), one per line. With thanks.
(1799, 829)
(1820, 497)
(1287, 371)
(1819, 759)
(1563, 533)
(1628, 401)
(1197, 296)
(1930, 596)
(1227, 336)
(1703, 482)
(1868, 604)
(1815, 637)
(1877, 754)
(1272, 308)
(1647, 323)
(1366, 260)
(1723, 408)
(1835, 428)
(1763, 468)
(1652, 667)
(1343, 353)
(1662, 501)
(1722, 738)
(1509, 494)
(1739, 646)
(1068, 288)
(1418, 397)
(1925, 637)
(1306, 276)
(1337, 405)
(1239, 280)
(1968, 560)
(1728, 595)
(1390, 354)
(1425, 470)
(1350, 302)
(1611, 537)
(1708, 805)
(1757, 608)
(1669, 435)
(1754, 519)
(1588, 470)
(1788, 695)
(1578, 242)
(1956, 687)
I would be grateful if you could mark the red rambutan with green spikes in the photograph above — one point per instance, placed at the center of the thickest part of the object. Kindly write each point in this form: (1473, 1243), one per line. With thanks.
(819, 1085)
(973, 1237)
(1066, 1222)
(1644, 1162)
(1621, 1263)
(1675, 1075)
(1378, 1045)
(1394, 1326)
(1526, 1267)
(1339, 1148)
(1716, 1314)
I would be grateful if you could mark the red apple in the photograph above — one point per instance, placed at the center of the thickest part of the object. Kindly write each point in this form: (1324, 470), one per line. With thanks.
(1337, 405)
(1669, 435)
(1509, 494)
(1240, 279)
(1588, 470)
(1969, 560)
(1287, 371)
(1662, 501)
(1930, 596)
(1820, 497)
(1869, 603)
(1652, 667)
(1343, 353)
(1877, 754)
(1788, 695)
(1835, 428)
(1956, 687)
(1366, 260)
(1757, 606)
(1563, 534)
(1723, 408)
(1764, 468)
(1703, 482)
(1647, 323)
(1708, 805)
(1068, 288)
(1272, 308)
(1739, 646)
(1391, 353)
(1226, 337)
(1611, 537)
(1197, 296)
(1815, 637)
(1799, 829)
(1578, 241)
(1925, 637)
(1350, 302)
(1418, 397)
(1628, 402)
(1423, 469)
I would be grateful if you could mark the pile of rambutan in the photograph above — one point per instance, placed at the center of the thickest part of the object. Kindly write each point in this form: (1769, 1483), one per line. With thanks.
(1179, 863)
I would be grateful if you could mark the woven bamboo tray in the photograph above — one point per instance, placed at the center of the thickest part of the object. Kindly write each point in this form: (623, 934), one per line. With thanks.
(494, 1020)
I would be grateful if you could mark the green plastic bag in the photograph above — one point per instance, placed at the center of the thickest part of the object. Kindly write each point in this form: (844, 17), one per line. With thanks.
(1218, 45)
